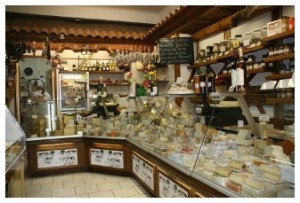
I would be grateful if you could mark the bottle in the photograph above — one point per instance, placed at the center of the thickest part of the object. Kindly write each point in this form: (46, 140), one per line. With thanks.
(99, 90)
(240, 71)
(104, 90)
(233, 76)
(202, 83)
(153, 85)
(210, 82)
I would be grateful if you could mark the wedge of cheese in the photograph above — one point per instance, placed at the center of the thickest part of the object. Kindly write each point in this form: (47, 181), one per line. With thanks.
(210, 166)
(272, 177)
(259, 185)
(274, 170)
(238, 165)
(237, 178)
(223, 171)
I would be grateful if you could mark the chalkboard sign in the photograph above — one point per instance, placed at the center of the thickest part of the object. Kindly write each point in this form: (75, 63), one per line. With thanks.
(176, 50)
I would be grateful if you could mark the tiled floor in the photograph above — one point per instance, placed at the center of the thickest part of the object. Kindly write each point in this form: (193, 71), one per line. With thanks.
(85, 184)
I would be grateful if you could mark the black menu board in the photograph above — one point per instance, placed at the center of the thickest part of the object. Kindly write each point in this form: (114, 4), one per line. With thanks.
(176, 50)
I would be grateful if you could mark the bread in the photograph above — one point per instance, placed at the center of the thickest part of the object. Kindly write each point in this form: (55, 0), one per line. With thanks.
(272, 177)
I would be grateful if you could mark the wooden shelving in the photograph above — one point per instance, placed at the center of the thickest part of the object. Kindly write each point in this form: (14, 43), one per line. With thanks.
(289, 33)
(280, 101)
(279, 76)
(279, 57)
(94, 72)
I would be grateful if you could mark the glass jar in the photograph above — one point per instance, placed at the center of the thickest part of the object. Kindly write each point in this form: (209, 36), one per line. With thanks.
(239, 40)
(247, 39)
(256, 41)
(230, 44)
(216, 47)
(209, 50)
(271, 51)
(223, 46)
(202, 53)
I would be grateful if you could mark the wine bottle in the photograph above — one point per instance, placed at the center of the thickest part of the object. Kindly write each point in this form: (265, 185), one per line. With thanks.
(99, 90)
(210, 82)
(203, 83)
(240, 71)
(233, 76)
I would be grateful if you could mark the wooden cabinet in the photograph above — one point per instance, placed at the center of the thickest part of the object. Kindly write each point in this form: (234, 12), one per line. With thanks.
(51, 156)
(109, 156)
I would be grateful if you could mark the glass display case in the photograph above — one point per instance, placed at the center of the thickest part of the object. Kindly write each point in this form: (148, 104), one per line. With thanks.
(237, 157)
(15, 148)
(14, 140)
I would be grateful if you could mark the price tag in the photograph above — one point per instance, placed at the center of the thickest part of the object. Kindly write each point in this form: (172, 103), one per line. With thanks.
(34, 116)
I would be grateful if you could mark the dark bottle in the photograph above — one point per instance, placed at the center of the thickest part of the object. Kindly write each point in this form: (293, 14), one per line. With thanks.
(203, 83)
(210, 82)
(99, 90)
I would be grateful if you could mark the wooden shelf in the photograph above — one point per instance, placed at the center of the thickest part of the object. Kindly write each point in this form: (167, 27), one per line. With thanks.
(253, 49)
(279, 76)
(289, 33)
(259, 70)
(279, 57)
(94, 72)
(279, 101)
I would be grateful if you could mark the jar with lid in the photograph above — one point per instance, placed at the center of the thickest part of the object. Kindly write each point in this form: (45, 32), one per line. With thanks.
(247, 39)
(209, 50)
(239, 40)
(223, 46)
(216, 48)
(202, 53)
(256, 41)
(271, 52)
(230, 44)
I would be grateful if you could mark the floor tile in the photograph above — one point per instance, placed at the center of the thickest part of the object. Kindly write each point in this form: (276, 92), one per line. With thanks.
(78, 196)
(112, 178)
(86, 189)
(40, 180)
(80, 176)
(52, 186)
(84, 185)
(63, 192)
(109, 186)
(93, 181)
(128, 183)
(33, 188)
(74, 183)
(125, 192)
(39, 194)
(141, 190)
(60, 178)
(107, 194)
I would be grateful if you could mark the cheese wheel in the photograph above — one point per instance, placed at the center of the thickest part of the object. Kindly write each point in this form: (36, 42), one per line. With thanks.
(274, 170)
(223, 171)
(259, 185)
